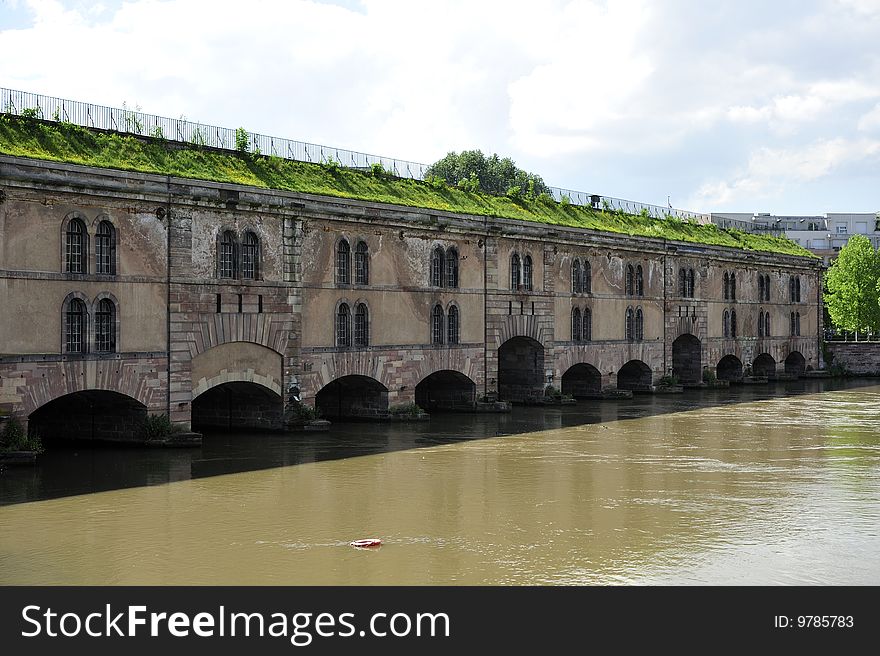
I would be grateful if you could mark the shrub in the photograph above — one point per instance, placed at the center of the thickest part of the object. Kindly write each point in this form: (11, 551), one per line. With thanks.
(242, 140)
(304, 412)
(14, 438)
(668, 381)
(709, 376)
(405, 410)
(377, 170)
(158, 427)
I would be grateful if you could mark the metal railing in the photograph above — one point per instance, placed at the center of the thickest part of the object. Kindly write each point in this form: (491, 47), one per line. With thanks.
(136, 122)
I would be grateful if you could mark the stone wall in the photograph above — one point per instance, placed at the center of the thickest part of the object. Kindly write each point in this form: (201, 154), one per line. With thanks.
(860, 358)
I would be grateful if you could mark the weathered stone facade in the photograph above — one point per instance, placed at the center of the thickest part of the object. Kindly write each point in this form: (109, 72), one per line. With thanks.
(346, 309)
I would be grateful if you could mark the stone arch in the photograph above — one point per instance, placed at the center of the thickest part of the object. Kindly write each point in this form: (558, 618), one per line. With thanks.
(686, 359)
(582, 380)
(92, 415)
(520, 369)
(242, 362)
(795, 363)
(729, 367)
(764, 365)
(446, 390)
(353, 396)
(237, 404)
(635, 376)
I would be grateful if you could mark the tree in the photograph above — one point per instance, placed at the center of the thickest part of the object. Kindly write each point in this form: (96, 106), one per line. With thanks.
(851, 285)
(471, 168)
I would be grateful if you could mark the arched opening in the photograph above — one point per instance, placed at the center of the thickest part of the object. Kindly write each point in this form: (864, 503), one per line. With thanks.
(353, 397)
(686, 355)
(520, 369)
(237, 405)
(795, 364)
(729, 367)
(94, 415)
(635, 376)
(582, 380)
(764, 365)
(446, 390)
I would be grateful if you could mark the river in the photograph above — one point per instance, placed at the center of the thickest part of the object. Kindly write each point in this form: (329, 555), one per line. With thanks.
(772, 484)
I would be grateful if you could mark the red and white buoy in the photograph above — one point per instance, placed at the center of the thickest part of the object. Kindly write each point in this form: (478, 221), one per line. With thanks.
(366, 543)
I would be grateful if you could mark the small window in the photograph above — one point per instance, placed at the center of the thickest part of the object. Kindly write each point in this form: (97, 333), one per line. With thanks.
(791, 325)
(629, 284)
(76, 328)
(587, 325)
(587, 279)
(761, 292)
(452, 268)
(576, 285)
(361, 264)
(726, 324)
(761, 324)
(630, 324)
(767, 332)
(343, 263)
(438, 260)
(640, 281)
(726, 286)
(514, 271)
(640, 325)
(228, 255)
(75, 247)
(452, 325)
(105, 249)
(682, 283)
(733, 324)
(343, 326)
(105, 326)
(527, 273)
(576, 325)
(361, 325)
(791, 291)
(797, 289)
(250, 256)
(797, 324)
(732, 286)
(690, 283)
(437, 325)
(767, 288)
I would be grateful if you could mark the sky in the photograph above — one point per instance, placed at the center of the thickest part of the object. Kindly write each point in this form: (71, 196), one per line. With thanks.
(723, 106)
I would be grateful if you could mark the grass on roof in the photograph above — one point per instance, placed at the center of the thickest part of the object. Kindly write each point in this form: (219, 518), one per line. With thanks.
(63, 142)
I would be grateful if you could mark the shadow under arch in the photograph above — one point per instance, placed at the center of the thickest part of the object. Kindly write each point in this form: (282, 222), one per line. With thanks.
(237, 404)
(352, 396)
(446, 390)
(521, 369)
(89, 415)
(581, 380)
(729, 367)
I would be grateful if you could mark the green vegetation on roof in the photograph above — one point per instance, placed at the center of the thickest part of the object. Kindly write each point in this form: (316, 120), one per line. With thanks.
(63, 142)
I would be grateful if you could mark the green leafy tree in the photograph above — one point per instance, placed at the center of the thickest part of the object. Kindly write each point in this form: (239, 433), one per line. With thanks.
(851, 286)
(492, 174)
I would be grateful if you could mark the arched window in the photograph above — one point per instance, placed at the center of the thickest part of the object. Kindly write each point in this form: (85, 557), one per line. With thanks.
(767, 287)
(452, 328)
(361, 325)
(343, 326)
(587, 278)
(576, 284)
(640, 325)
(682, 283)
(250, 256)
(587, 325)
(791, 325)
(438, 260)
(726, 322)
(361, 264)
(690, 283)
(575, 325)
(733, 324)
(343, 263)
(228, 255)
(761, 288)
(732, 286)
(629, 284)
(514, 271)
(76, 328)
(767, 332)
(761, 324)
(640, 281)
(452, 268)
(76, 250)
(726, 286)
(797, 324)
(105, 249)
(105, 326)
(437, 325)
(630, 324)
(797, 289)
(527, 273)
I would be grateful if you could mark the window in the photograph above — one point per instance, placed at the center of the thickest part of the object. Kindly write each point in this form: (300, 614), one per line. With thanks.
(797, 324)
(682, 283)
(761, 324)
(105, 249)
(361, 264)
(587, 325)
(343, 326)
(437, 325)
(767, 288)
(795, 289)
(343, 263)
(733, 324)
(841, 229)
(514, 271)
(726, 286)
(576, 280)
(640, 281)
(228, 255)
(761, 291)
(75, 247)
(587, 279)
(361, 325)
(105, 326)
(690, 283)
(576, 325)
(452, 325)
(767, 325)
(76, 328)
(527, 273)
(437, 266)
(732, 286)
(452, 268)
(250, 256)
(791, 290)
(640, 332)
(726, 322)
(629, 283)
(630, 324)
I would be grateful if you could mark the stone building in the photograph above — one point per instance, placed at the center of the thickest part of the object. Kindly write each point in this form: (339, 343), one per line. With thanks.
(221, 305)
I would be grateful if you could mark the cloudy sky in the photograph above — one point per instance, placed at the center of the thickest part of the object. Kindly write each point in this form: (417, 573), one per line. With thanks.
(740, 105)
